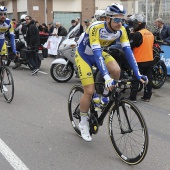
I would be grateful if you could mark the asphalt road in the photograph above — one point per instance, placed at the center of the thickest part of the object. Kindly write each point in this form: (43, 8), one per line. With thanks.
(36, 134)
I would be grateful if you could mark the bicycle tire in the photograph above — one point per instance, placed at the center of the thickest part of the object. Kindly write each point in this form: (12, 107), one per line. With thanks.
(73, 106)
(7, 81)
(127, 143)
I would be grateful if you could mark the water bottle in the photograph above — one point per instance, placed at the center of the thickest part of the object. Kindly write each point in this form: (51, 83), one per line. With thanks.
(96, 100)
(99, 103)
(104, 100)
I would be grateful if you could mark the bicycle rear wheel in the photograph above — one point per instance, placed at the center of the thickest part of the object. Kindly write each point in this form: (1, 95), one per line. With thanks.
(7, 84)
(128, 132)
(74, 106)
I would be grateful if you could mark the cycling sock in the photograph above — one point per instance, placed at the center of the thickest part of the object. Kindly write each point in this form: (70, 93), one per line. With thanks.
(84, 118)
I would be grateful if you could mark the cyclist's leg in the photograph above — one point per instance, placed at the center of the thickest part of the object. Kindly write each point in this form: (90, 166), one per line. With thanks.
(86, 77)
(111, 65)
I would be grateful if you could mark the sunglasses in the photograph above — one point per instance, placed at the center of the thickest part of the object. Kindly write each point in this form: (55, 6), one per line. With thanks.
(117, 20)
(1, 14)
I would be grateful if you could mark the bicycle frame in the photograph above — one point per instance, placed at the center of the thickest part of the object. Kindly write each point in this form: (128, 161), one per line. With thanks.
(114, 96)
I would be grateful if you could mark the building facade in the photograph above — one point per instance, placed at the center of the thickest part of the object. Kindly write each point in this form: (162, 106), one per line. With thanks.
(64, 11)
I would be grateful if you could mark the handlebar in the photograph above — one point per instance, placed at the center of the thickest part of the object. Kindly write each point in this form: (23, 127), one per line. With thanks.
(124, 81)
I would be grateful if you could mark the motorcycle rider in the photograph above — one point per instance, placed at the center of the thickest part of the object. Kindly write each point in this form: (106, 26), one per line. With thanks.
(89, 52)
(6, 25)
(142, 45)
(21, 30)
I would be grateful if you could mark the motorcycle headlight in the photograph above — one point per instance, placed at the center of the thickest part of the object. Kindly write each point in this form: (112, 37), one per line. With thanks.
(73, 46)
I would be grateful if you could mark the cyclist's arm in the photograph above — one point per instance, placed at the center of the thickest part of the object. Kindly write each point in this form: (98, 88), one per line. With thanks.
(12, 37)
(97, 51)
(129, 54)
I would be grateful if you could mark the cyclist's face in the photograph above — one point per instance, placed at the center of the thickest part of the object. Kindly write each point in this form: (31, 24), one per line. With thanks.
(115, 21)
(3, 16)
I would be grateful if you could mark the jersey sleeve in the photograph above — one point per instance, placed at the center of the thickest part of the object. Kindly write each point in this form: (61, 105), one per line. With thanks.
(12, 37)
(94, 35)
(128, 53)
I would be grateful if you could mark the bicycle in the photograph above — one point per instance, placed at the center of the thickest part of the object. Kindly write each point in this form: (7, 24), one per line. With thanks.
(6, 80)
(127, 127)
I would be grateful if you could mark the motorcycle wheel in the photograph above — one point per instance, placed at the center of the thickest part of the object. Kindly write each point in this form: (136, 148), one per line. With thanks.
(159, 74)
(31, 67)
(61, 76)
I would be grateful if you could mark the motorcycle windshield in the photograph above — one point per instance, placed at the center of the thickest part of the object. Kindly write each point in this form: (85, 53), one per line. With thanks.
(74, 32)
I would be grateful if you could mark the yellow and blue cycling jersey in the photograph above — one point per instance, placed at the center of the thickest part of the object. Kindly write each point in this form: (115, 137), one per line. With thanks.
(4, 27)
(89, 51)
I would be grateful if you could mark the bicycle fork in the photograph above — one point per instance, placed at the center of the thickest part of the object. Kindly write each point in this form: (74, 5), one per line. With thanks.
(129, 129)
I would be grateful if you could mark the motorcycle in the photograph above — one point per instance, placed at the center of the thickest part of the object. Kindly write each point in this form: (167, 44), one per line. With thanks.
(22, 50)
(63, 68)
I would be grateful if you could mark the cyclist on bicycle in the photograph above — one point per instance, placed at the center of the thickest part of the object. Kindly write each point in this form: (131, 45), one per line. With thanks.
(89, 52)
(5, 25)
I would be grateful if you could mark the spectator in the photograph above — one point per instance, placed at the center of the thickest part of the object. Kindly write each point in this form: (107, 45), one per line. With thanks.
(142, 46)
(81, 27)
(32, 39)
(73, 23)
(61, 30)
(38, 26)
(44, 28)
(14, 22)
(164, 30)
(87, 23)
(50, 28)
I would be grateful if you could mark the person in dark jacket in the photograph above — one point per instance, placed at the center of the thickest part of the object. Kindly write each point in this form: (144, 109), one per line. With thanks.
(33, 41)
(164, 30)
(73, 23)
(61, 30)
(50, 28)
(81, 27)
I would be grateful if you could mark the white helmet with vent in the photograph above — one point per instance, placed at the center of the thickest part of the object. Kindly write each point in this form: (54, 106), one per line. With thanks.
(99, 13)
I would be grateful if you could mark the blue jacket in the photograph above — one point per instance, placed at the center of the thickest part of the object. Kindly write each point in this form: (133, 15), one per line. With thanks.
(165, 34)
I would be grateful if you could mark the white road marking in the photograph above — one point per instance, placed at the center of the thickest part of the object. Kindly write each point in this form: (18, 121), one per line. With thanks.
(42, 72)
(38, 71)
(10, 156)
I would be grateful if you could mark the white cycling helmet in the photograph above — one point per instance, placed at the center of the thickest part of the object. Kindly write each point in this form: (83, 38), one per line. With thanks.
(98, 14)
(3, 9)
(115, 9)
(23, 16)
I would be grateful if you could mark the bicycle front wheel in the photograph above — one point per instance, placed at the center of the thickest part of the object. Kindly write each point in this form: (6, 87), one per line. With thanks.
(7, 85)
(74, 106)
(128, 132)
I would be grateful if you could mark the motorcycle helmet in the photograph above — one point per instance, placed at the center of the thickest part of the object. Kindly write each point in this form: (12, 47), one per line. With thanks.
(99, 14)
(3, 9)
(115, 9)
(137, 22)
(23, 17)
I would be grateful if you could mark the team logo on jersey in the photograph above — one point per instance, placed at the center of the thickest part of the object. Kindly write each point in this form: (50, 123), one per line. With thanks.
(94, 31)
(89, 74)
(79, 70)
(93, 40)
